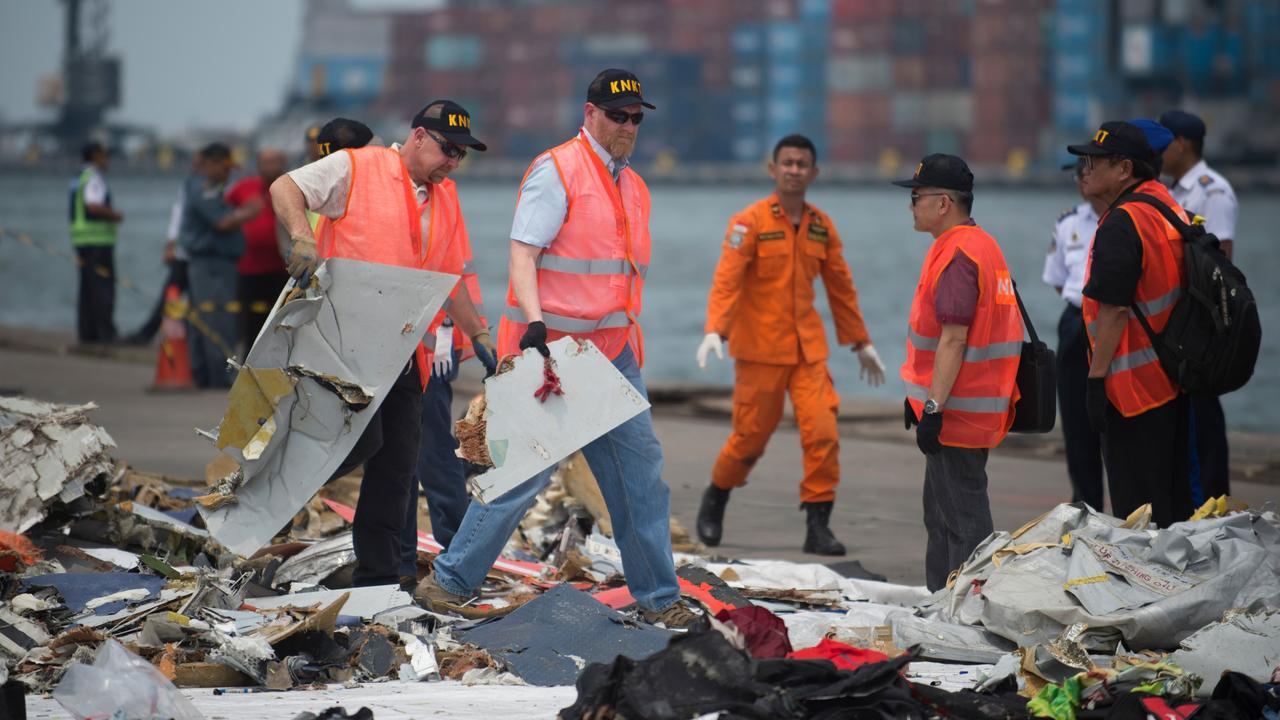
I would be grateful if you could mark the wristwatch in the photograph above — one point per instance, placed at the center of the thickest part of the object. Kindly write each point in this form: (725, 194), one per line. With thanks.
(931, 407)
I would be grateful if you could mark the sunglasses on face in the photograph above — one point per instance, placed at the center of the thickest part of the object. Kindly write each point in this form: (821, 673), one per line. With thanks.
(916, 196)
(451, 151)
(621, 117)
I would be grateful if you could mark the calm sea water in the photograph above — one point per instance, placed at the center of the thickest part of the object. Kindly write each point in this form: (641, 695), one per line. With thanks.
(688, 223)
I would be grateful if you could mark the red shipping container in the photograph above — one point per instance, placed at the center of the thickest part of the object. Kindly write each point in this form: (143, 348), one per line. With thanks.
(909, 72)
(862, 37)
(862, 9)
(862, 111)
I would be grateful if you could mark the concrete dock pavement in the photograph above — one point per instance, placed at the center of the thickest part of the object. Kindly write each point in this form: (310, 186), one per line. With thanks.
(878, 507)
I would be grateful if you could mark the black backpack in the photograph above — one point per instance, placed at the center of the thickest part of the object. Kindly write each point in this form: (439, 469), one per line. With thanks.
(1037, 406)
(1210, 344)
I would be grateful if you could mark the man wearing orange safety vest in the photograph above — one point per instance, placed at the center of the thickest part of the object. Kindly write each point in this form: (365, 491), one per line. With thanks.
(964, 341)
(393, 206)
(762, 300)
(1136, 262)
(579, 256)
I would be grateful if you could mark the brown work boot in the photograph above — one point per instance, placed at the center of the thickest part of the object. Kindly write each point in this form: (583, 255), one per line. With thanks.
(431, 596)
(676, 616)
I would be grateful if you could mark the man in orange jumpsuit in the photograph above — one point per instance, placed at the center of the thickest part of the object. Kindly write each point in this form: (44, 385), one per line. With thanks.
(762, 301)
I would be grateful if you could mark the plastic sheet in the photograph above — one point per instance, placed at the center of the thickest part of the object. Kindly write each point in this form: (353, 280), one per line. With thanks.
(121, 684)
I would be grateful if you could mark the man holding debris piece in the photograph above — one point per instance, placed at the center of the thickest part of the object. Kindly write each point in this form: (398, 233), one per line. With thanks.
(579, 254)
(964, 342)
(393, 206)
(762, 300)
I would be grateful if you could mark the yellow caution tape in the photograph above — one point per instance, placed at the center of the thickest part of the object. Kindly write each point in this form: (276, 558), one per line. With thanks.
(1092, 579)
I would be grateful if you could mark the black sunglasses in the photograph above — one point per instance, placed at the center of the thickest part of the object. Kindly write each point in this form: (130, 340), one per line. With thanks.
(917, 196)
(451, 151)
(621, 117)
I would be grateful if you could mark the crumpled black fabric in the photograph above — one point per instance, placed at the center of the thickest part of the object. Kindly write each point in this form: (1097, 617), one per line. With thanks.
(700, 673)
(972, 705)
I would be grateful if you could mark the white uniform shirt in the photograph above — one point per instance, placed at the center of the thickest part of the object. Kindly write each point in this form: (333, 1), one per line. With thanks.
(95, 187)
(1069, 251)
(543, 202)
(175, 224)
(1204, 191)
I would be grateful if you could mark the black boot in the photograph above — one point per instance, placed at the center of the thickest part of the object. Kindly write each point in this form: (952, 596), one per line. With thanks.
(711, 515)
(818, 539)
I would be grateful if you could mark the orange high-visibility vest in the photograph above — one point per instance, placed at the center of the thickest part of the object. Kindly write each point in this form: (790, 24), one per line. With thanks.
(979, 411)
(1136, 382)
(591, 277)
(451, 248)
(382, 223)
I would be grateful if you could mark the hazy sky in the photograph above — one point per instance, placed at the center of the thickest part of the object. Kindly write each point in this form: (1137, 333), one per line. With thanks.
(219, 63)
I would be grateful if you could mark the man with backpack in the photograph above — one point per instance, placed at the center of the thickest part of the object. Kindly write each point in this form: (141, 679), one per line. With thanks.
(1135, 275)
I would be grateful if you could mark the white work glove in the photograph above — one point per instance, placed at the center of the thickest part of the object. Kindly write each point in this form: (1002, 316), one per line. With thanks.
(711, 342)
(443, 361)
(872, 369)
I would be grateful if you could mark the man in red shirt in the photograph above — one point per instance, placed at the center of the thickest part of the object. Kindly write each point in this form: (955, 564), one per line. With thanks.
(261, 270)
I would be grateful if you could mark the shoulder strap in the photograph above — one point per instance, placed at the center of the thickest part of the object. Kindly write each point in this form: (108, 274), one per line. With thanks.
(1165, 210)
(1026, 319)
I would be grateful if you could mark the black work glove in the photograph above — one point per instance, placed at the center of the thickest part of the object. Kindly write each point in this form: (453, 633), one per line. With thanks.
(535, 336)
(927, 433)
(908, 415)
(486, 359)
(1097, 403)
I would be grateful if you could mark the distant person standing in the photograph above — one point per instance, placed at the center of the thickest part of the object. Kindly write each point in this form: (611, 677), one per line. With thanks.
(175, 257)
(212, 239)
(1201, 190)
(964, 342)
(93, 235)
(261, 272)
(1064, 269)
(762, 301)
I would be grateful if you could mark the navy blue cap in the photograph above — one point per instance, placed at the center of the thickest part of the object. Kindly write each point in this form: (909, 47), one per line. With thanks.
(1183, 124)
(1158, 136)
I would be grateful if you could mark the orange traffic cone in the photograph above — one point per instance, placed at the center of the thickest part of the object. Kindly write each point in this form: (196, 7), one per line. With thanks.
(173, 365)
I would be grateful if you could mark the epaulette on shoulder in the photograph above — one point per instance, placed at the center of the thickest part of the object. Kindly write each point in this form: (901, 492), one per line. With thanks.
(1069, 212)
(1206, 179)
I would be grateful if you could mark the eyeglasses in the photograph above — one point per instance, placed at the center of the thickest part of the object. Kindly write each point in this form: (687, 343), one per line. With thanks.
(621, 117)
(917, 196)
(451, 151)
(1090, 161)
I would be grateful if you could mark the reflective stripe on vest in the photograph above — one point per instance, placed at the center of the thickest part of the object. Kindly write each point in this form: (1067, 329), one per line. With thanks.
(1135, 359)
(572, 325)
(1160, 304)
(993, 351)
(964, 404)
(588, 267)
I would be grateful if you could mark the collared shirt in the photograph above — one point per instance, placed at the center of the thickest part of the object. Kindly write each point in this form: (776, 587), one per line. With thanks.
(543, 203)
(955, 299)
(206, 205)
(1068, 256)
(1204, 191)
(95, 187)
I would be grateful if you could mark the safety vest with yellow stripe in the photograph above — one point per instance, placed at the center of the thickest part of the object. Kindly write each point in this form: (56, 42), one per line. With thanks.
(980, 409)
(87, 231)
(591, 276)
(1136, 382)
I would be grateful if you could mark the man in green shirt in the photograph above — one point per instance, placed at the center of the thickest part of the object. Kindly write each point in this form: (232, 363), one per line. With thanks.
(93, 235)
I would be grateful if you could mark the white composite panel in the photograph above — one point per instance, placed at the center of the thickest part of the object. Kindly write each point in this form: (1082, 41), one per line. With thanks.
(361, 327)
(526, 436)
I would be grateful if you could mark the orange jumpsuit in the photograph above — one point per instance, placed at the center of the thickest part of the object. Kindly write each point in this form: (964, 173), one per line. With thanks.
(762, 300)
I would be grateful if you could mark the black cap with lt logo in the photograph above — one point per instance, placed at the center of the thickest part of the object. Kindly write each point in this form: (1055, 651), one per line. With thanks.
(1117, 138)
(450, 120)
(947, 172)
(614, 88)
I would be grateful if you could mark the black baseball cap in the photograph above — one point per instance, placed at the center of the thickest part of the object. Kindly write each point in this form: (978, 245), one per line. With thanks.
(216, 151)
(1183, 124)
(450, 120)
(342, 133)
(614, 88)
(1117, 138)
(940, 171)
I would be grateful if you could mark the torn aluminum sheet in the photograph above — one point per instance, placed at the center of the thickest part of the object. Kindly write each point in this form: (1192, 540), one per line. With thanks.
(947, 676)
(318, 561)
(47, 452)
(948, 641)
(525, 436)
(18, 634)
(1248, 643)
(364, 602)
(549, 640)
(422, 660)
(342, 342)
(78, 590)
(166, 522)
(1196, 570)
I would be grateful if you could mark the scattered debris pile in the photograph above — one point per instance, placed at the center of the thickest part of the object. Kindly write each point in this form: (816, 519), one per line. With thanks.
(1076, 614)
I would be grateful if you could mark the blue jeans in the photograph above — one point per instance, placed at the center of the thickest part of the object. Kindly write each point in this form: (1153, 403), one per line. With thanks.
(440, 471)
(627, 463)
